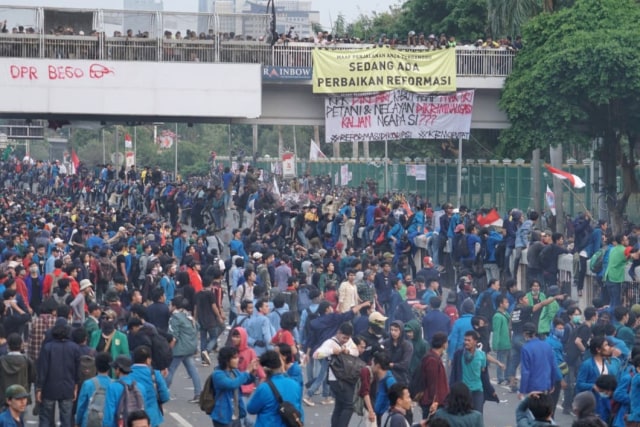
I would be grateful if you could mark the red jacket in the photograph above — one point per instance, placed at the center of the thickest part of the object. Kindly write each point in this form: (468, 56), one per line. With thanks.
(435, 378)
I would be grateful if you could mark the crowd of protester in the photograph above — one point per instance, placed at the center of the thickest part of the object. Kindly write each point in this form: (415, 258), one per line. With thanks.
(389, 307)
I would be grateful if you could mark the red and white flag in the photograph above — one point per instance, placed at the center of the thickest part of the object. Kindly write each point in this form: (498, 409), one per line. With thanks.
(574, 180)
(314, 152)
(550, 198)
(489, 219)
(127, 141)
(75, 161)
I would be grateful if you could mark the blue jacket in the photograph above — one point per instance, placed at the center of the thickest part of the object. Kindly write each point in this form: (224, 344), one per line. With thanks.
(295, 373)
(238, 246)
(539, 371)
(595, 242)
(456, 338)
(264, 404)
(435, 321)
(622, 395)
(382, 404)
(589, 373)
(523, 234)
(179, 247)
(558, 352)
(225, 386)
(58, 368)
(6, 420)
(114, 392)
(492, 241)
(154, 393)
(634, 396)
(85, 395)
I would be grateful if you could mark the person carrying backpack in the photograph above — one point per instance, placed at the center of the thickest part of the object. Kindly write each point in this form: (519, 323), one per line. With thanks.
(124, 395)
(157, 392)
(90, 407)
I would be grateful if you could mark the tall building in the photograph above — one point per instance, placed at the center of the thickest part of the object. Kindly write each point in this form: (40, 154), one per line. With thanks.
(139, 22)
(289, 13)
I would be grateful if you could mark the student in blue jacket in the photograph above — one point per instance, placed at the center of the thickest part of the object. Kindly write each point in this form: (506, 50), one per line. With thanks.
(157, 392)
(103, 367)
(227, 380)
(263, 403)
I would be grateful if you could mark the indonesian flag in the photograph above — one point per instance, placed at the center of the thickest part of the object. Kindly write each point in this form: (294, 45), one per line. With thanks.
(75, 161)
(550, 198)
(127, 141)
(314, 152)
(489, 219)
(574, 180)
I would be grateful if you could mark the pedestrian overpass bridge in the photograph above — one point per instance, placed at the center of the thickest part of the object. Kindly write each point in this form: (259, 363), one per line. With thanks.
(94, 75)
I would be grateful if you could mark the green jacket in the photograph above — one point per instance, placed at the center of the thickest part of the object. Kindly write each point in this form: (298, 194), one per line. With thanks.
(119, 343)
(420, 346)
(90, 325)
(501, 339)
(183, 328)
(615, 267)
(546, 317)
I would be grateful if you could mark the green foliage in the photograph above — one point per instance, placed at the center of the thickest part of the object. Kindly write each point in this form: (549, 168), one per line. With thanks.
(465, 19)
(508, 17)
(577, 79)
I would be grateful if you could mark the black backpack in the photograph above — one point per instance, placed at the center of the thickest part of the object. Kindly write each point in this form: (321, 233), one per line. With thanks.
(309, 333)
(461, 246)
(485, 307)
(346, 367)
(290, 415)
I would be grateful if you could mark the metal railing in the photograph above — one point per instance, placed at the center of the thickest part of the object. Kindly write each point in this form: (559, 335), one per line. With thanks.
(209, 38)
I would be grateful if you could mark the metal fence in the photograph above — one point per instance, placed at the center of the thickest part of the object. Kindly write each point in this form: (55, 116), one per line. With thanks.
(193, 37)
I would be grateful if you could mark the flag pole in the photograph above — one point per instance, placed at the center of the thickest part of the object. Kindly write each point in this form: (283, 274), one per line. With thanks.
(574, 194)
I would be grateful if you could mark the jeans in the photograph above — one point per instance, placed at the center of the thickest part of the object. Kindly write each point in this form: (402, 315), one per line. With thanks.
(517, 341)
(320, 379)
(507, 261)
(614, 294)
(233, 423)
(581, 273)
(47, 413)
(492, 271)
(477, 400)
(434, 249)
(190, 366)
(343, 409)
(209, 338)
(503, 357)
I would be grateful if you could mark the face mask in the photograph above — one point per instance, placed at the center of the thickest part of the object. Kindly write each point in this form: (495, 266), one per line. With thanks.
(577, 319)
(533, 292)
(558, 333)
(604, 395)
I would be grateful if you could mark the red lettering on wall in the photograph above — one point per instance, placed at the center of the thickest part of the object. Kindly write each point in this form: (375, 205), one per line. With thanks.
(64, 73)
(23, 72)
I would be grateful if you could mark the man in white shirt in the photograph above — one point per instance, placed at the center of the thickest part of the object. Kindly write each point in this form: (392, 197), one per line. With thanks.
(348, 293)
(342, 390)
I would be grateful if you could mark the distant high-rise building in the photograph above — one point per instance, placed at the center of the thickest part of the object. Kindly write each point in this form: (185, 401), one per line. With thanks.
(289, 13)
(139, 23)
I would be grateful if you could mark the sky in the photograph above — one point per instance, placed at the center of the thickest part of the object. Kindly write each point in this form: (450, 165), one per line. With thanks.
(329, 9)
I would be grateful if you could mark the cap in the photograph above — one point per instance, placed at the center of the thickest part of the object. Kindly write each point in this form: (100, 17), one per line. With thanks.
(411, 292)
(377, 318)
(553, 291)
(123, 363)
(387, 255)
(529, 328)
(16, 391)
(427, 261)
(85, 283)
(459, 228)
(57, 240)
(257, 255)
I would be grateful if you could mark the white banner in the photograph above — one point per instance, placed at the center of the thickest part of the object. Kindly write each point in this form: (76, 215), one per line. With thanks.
(344, 174)
(398, 115)
(421, 172)
(288, 165)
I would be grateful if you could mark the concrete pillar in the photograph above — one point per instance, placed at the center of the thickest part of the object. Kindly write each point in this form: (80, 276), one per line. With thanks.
(255, 139)
(354, 149)
(365, 149)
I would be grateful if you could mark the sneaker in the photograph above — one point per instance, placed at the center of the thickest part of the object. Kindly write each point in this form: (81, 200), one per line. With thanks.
(307, 401)
(205, 358)
(328, 401)
(196, 399)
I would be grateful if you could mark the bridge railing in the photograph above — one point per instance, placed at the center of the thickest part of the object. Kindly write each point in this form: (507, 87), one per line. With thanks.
(469, 62)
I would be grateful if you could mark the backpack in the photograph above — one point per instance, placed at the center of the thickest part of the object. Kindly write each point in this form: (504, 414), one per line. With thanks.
(597, 260)
(130, 401)
(96, 404)
(288, 413)
(461, 247)
(161, 354)
(358, 401)
(106, 269)
(54, 283)
(485, 308)
(208, 396)
(346, 367)
(87, 368)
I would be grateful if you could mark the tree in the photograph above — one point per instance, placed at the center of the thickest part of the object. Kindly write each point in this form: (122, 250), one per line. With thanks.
(465, 19)
(508, 17)
(578, 79)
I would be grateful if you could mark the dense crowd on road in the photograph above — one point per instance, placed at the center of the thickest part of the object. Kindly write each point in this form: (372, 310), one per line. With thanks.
(386, 307)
